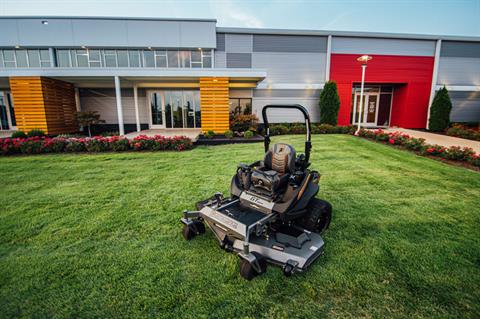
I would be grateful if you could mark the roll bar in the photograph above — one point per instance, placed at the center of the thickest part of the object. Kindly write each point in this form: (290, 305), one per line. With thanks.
(308, 144)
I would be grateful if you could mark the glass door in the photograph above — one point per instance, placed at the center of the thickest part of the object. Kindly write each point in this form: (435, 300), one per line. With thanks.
(156, 110)
(370, 108)
(178, 109)
(7, 113)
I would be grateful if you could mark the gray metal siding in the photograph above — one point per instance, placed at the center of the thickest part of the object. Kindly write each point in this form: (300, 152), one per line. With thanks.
(466, 106)
(240, 93)
(291, 67)
(238, 43)
(460, 49)
(383, 46)
(103, 101)
(107, 32)
(289, 43)
(220, 41)
(220, 59)
(459, 71)
(239, 60)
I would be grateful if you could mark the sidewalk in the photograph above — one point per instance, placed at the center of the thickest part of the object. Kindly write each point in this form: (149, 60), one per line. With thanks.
(439, 139)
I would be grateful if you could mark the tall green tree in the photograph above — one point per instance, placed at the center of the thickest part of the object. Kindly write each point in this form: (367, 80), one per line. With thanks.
(329, 104)
(440, 111)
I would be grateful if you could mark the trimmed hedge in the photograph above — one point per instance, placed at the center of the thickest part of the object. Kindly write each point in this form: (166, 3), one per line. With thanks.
(453, 153)
(316, 128)
(97, 144)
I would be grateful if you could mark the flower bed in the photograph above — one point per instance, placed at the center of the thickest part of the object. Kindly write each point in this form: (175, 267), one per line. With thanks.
(418, 145)
(464, 132)
(97, 144)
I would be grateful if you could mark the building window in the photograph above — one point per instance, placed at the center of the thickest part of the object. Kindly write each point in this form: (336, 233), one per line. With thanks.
(25, 58)
(240, 106)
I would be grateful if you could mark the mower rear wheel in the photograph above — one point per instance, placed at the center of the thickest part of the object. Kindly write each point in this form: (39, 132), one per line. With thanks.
(247, 271)
(318, 217)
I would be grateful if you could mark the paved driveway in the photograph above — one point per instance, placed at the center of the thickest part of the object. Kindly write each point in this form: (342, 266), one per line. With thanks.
(439, 139)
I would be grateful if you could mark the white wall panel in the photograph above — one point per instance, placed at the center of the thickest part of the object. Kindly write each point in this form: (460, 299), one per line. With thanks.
(383, 46)
(220, 59)
(103, 101)
(459, 71)
(291, 67)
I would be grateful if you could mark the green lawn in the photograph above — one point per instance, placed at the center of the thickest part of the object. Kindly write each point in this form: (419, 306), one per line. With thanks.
(99, 236)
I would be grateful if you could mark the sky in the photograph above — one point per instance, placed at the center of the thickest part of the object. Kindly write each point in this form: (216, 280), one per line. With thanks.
(443, 17)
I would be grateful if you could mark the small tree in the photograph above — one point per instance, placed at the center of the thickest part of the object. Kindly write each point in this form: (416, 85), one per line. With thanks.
(440, 111)
(329, 104)
(88, 118)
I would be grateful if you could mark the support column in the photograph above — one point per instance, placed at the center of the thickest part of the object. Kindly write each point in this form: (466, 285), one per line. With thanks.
(327, 62)
(118, 95)
(135, 102)
(438, 47)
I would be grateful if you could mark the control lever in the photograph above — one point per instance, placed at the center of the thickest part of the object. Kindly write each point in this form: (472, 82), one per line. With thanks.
(218, 198)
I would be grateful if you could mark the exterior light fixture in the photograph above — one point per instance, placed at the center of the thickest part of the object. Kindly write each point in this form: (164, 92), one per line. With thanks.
(362, 59)
(84, 47)
(44, 22)
(215, 80)
(149, 48)
(200, 49)
(17, 47)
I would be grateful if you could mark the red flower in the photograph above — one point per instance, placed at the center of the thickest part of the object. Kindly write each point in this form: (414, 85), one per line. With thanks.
(391, 141)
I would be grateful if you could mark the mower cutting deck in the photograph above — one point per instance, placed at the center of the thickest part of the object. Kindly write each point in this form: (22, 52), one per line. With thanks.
(272, 215)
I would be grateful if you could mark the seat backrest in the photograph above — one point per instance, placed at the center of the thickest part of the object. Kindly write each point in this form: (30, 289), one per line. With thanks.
(280, 158)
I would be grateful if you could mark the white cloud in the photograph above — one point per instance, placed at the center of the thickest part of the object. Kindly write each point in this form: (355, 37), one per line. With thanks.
(228, 13)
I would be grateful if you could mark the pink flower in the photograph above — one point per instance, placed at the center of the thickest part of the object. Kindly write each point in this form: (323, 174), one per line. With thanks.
(391, 141)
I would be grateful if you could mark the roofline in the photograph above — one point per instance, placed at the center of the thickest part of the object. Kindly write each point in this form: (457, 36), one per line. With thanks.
(347, 34)
(108, 18)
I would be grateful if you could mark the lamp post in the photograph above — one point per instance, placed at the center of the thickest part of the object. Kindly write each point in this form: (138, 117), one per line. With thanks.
(362, 59)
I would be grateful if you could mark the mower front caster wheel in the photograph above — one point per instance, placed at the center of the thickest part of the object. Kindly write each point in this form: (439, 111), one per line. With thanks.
(193, 229)
(287, 270)
(248, 271)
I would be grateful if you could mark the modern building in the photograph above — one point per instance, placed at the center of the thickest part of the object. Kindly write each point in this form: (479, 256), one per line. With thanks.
(167, 73)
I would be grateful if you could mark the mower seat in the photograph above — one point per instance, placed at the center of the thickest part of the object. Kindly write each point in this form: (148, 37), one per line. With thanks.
(275, 172)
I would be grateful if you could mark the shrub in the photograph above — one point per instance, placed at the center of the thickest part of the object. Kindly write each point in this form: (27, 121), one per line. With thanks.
(434, 150)
(87, 119)
(112, 133)
(279, 129)
(32, 145)
(458, 130)
(440, 111)
(329, 104)
(243, 122)
(19, 134)
(474, 159)
(248, 134)
(54, 145)
(70, 136)
(36, 132)
(298, 128)
(209, 134)
(75, 145)
(415, 144)
(228, 134)
(119, 144)
(457, 153)
(324, 129)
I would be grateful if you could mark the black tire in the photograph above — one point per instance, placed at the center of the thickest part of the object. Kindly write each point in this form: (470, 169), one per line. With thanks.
(318, 217)
(287, 270)
(246, 268)
(192, 230)
(188, 233)
(199, 227)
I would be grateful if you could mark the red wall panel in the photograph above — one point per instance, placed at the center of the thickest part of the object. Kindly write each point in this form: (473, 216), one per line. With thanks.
(410, 75)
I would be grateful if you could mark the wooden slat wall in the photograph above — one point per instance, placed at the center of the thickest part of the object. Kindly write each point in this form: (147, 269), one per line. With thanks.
(44, 103)
(214, 104)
